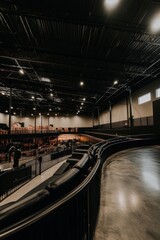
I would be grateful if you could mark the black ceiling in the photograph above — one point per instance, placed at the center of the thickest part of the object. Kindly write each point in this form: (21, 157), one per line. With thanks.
(72, 41)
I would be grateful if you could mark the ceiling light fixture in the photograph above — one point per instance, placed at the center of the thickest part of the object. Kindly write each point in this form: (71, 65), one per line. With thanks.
(21, 71)
(84, 99)
(44, 79)
(115, 82)
(111, 4)
(155, 23)
(81, 83)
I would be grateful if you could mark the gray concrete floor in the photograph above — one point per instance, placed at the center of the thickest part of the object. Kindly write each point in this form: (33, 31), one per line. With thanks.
(130, 196)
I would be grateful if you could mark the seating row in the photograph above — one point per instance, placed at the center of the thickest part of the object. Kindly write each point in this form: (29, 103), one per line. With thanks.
(67, 177)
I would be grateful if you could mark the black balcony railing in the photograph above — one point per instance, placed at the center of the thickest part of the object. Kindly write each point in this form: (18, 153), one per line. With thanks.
(73, 214)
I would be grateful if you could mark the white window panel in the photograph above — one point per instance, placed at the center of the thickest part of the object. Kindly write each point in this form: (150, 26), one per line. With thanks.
(145, 98)
(157, 92)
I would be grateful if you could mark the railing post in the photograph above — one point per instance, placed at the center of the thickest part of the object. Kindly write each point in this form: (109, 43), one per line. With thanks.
(40, 164)
(88, 214)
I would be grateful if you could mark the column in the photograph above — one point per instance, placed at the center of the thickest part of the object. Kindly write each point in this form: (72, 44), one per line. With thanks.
(110, 114)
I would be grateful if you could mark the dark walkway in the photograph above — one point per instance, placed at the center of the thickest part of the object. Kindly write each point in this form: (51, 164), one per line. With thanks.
(130, 196)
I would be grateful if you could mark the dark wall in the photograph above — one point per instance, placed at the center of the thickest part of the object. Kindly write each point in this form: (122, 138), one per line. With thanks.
(156, 116)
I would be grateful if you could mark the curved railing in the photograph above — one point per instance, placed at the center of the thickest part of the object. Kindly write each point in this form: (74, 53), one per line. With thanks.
(73, 214)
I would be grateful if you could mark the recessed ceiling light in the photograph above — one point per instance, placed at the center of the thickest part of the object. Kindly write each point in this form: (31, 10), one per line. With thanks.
(47, 114)
(82, 103)
(81, 83)
(115, 82)
(84, 99)
(3, 93)
(155, 23)
(34, 108)
(111, 4)
(11, 107)
(21, 71)
(6, 111)
(39, 114)
(51, 94)
(50, 109)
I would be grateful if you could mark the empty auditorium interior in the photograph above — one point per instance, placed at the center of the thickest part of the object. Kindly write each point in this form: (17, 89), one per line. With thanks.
(80, 119)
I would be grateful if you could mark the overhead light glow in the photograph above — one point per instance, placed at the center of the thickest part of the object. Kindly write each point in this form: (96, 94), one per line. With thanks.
(6, 111)
(84, 99)
(81, 83)
(34, 108)
(44, 79)
(155, 23)
(3, 93)
(82, 103)
(21, 71)
(111, 4)
(50, 109)
(115, 82)
(51, 94)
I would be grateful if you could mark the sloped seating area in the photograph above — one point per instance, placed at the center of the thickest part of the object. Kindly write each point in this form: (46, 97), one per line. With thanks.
(67, 176)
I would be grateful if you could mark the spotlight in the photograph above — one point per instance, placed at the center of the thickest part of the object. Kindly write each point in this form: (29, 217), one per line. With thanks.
(115, 82)
(155, 23)
(111, 4)
(81, 83)
(21, 71)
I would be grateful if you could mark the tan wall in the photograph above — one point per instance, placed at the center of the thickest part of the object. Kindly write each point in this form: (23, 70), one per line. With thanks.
(119, 110)
(146, 109)
(4, 118)
(64, 122)
(72, 122)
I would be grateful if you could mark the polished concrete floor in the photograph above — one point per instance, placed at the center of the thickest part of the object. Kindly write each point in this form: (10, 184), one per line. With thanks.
(130, 196)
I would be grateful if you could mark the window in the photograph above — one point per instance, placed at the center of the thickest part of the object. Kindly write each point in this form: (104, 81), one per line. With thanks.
(145, 98)
(157, 92)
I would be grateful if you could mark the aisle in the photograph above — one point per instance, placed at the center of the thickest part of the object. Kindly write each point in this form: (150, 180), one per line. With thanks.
(130, 196)
(32, 184)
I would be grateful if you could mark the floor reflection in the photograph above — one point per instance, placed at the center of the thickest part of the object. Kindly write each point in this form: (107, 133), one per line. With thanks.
(130, 196)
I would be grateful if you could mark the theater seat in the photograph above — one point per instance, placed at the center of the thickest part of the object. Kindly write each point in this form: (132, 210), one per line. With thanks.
(20, 209)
